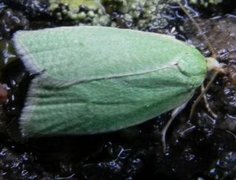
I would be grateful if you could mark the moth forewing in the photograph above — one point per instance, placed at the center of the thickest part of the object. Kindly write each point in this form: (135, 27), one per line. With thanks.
(101, 79)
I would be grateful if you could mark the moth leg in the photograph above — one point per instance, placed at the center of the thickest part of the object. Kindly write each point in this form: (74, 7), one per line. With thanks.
(202, 94)
(174, 113)
(207, 104)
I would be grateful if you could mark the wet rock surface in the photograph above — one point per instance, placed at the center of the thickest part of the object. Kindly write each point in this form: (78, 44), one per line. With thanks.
(203, 147)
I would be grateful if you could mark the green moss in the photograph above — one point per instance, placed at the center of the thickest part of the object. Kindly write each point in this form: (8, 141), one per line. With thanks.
(74, 4)
(80, 11)
(134, 14)
(137, 14)
(206, 3)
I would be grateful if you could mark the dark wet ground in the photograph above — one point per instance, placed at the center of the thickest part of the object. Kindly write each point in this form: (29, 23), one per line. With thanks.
(201, 148)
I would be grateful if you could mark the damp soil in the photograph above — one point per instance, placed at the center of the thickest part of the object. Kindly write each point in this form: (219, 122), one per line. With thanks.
(203, 147)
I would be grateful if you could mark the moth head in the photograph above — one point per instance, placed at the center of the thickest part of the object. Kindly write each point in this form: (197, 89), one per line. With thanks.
(214, 65)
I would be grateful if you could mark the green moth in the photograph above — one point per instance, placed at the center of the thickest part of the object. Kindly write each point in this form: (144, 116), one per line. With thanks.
(100, 79)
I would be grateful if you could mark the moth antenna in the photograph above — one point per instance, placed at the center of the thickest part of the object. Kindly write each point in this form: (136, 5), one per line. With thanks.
(202, 93)
(214, 53)
(212, 64)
